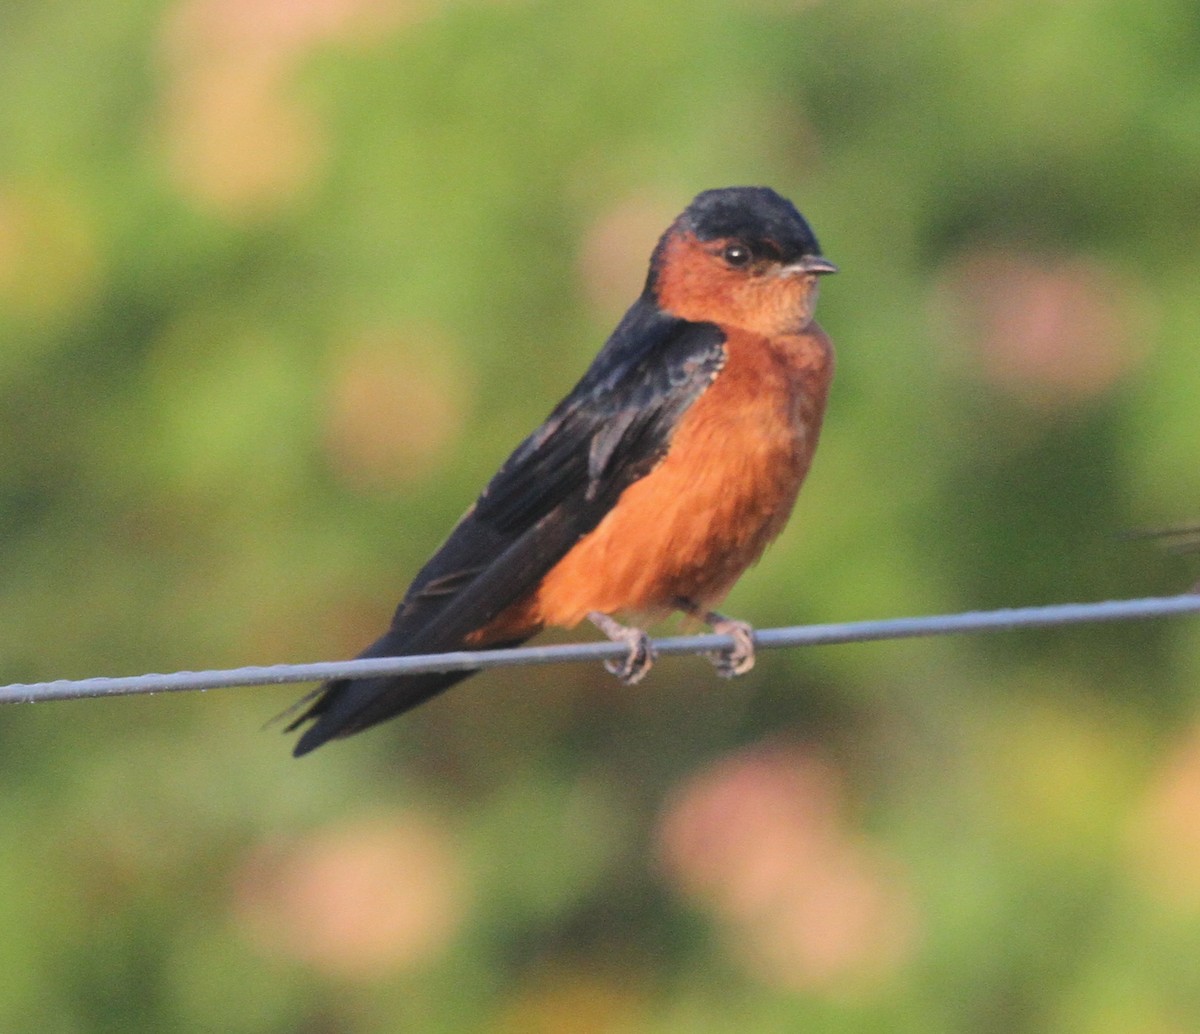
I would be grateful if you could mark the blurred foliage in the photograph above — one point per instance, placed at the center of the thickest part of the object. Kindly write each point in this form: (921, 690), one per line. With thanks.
(282, 282)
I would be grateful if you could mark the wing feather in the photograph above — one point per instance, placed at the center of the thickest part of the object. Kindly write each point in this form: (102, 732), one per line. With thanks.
(612, 429)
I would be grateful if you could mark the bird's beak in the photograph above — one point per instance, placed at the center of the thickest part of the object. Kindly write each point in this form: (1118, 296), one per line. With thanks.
(818, 265)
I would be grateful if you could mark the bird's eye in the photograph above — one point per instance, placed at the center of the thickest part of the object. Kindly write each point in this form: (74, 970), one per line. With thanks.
(736, 254)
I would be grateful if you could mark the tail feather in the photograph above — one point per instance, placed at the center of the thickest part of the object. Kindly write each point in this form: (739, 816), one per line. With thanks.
(346, 706)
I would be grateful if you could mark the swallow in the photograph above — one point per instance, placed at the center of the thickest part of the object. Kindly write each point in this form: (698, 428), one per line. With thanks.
(651, 487)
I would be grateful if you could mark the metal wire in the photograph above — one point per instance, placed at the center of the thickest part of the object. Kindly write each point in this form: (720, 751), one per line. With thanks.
(465, 660)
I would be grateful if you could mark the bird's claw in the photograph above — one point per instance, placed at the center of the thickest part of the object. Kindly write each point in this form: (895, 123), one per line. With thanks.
(632, 668)
(739, 658)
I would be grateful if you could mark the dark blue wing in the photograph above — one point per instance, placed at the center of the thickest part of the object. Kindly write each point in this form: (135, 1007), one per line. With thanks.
(612, 429)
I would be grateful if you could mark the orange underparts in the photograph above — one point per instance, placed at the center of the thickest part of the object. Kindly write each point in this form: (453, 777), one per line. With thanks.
(724, 490)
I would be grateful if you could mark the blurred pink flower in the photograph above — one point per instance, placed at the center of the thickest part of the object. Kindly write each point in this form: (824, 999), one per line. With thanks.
(234, 138)
(612, 262)
(200, 28)
(762, 839)
(397, 404)
(235, 142)
(1164, 836)
(1049, 329)
(357, 900)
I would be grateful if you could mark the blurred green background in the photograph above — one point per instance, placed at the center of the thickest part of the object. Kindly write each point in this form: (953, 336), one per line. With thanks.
(281, 283)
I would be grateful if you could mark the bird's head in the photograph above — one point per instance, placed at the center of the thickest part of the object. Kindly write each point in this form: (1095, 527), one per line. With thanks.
(741, 257)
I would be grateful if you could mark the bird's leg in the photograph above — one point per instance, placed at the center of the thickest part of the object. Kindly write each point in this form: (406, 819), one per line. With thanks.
(739, 658)
(640, 658)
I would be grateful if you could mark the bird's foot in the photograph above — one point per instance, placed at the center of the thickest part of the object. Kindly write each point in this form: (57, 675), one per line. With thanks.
(737, 659)
(640, 659)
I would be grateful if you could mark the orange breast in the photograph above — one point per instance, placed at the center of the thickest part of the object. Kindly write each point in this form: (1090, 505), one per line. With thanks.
(724, 490)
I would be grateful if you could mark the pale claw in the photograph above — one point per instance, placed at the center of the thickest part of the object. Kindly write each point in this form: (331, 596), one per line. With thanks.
(739, 658)
(640, 659)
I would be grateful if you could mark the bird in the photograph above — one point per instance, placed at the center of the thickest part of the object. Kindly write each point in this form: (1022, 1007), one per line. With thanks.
(652, 486)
